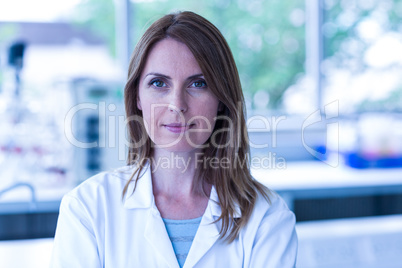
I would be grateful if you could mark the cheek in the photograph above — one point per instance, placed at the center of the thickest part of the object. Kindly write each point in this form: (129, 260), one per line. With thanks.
(208, 110)
(147, 105)
(207, 115)
(149, 116)
(152, 116)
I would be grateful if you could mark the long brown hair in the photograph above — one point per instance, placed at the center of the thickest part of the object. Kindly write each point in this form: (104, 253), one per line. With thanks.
(234, 184)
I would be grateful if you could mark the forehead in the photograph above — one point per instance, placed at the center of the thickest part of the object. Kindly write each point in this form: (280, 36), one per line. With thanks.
(168, 56)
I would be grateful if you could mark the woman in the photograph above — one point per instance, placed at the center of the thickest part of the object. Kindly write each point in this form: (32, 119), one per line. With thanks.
(188, 197)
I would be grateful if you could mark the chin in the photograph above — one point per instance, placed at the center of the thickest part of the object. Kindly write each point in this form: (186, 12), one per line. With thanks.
(179, 146)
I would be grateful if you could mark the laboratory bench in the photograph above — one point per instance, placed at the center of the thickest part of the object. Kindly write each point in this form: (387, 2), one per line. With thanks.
(29, 211)
(315, 190)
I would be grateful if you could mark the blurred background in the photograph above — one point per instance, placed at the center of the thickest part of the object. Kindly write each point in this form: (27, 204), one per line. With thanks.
(323, 87)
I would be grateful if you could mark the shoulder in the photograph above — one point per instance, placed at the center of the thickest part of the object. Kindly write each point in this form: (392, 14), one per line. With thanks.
(270, 234)
(102, 185)
(273, 210)
(275, 203)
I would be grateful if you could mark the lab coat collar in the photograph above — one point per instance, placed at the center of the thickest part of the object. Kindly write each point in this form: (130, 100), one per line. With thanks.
(216, 208)
(142, 197)
(155, 230)
(208, 232)
(155, 233)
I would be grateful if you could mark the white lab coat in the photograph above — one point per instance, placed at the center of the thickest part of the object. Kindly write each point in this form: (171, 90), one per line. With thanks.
(97, 228)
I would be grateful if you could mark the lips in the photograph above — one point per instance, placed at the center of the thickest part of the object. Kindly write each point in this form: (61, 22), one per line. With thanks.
(177, 127)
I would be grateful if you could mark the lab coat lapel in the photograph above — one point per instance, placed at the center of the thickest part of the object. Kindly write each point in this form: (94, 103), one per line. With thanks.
(156, 235)
(205, 238)
(155, 230)
(207, 233)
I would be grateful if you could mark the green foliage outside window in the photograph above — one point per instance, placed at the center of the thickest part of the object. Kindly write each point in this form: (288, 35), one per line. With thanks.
(363, 58)
(266, 37)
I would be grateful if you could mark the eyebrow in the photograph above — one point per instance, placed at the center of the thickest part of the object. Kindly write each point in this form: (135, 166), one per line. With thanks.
(168, 77)
(195, 76)
(159, 74)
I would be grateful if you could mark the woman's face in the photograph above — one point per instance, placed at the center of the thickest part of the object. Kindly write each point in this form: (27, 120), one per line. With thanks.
(177, 106)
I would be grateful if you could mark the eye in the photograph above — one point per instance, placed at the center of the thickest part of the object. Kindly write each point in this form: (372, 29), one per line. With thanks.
(199, 84)
(157, 83)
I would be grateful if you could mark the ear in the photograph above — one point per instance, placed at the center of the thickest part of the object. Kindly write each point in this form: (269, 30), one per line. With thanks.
(139, 104)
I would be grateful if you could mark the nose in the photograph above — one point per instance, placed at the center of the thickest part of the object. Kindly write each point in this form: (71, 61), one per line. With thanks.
(178, 102)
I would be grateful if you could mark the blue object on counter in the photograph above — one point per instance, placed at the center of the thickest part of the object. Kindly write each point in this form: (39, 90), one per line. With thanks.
(357, 160)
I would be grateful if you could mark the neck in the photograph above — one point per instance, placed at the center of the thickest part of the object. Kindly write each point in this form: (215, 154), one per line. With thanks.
(173, 174)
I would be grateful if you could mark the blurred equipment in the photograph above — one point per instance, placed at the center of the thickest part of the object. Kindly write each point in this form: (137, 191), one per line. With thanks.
(16, 59)
(16, 54)
(372, 140)
(95, 127)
